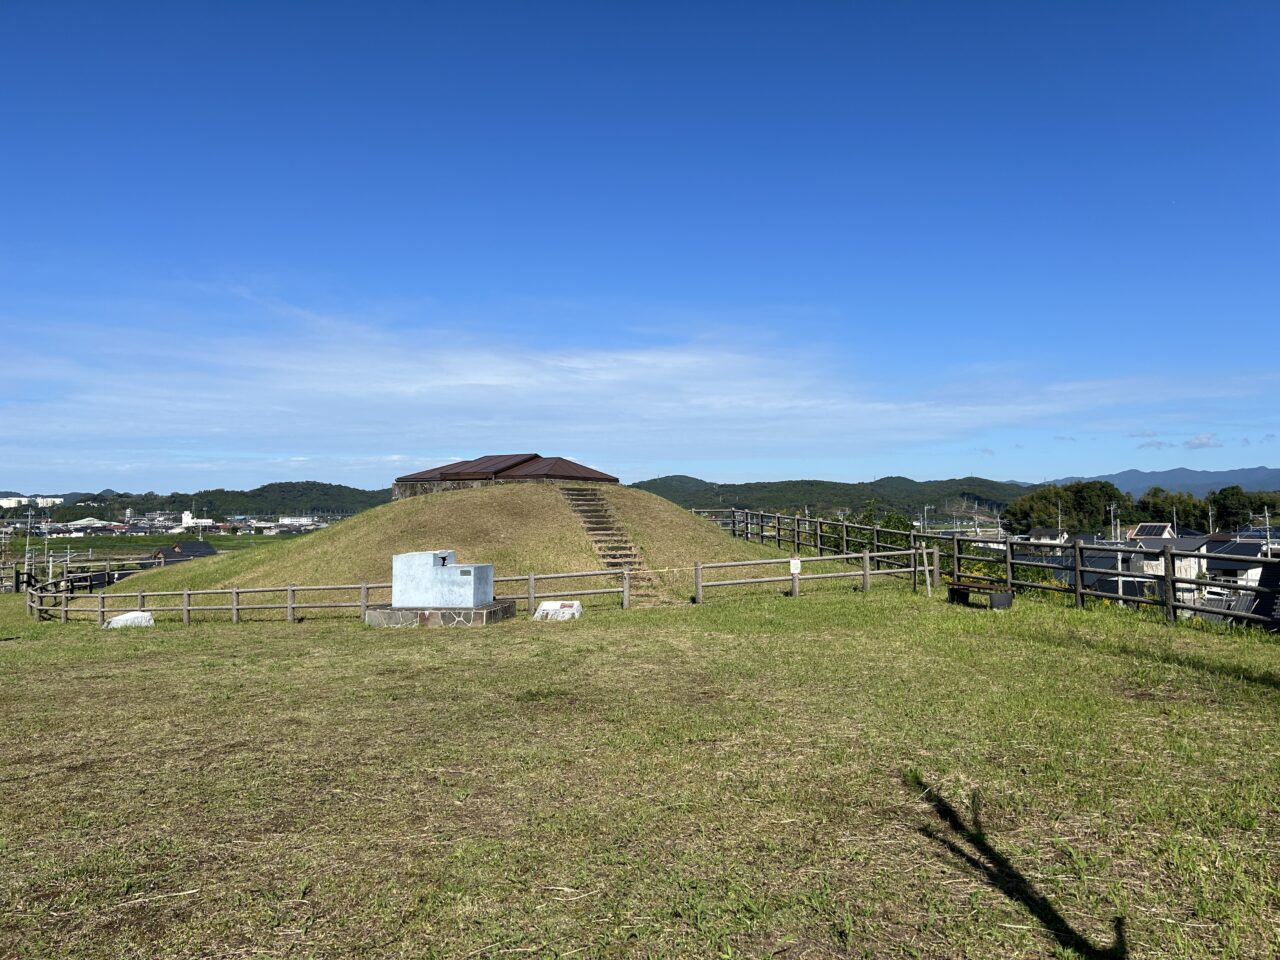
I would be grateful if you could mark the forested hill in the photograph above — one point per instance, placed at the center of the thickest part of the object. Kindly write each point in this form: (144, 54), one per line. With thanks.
(896, 494)
(296, 498)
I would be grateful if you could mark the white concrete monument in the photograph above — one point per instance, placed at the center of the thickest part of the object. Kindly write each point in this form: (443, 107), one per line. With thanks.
(432, 579)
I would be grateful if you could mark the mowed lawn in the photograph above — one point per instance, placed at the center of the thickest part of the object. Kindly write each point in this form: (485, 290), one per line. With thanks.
(836, 775)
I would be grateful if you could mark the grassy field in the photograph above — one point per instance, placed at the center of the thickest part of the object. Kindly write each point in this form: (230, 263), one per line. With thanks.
(104, 547)
(841, 775)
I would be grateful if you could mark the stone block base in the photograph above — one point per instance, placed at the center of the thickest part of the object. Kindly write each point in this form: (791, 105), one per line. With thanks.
(441, 617)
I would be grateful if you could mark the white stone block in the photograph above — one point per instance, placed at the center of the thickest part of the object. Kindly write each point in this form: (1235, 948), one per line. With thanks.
(138, 618)
(559, 610)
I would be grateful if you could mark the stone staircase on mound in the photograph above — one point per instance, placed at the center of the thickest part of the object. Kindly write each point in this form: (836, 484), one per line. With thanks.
(611, 542)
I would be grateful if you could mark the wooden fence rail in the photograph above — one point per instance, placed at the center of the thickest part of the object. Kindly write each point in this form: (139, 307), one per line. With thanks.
(1008, 561)
(48, 601)
(532, 595)
(924, 557)
(917, 561)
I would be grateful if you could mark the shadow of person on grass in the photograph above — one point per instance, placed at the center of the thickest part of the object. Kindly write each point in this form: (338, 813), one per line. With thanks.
(990, 864)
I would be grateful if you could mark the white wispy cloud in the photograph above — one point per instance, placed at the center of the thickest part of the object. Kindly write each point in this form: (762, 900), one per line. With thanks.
(363, 399)
(1202, 441)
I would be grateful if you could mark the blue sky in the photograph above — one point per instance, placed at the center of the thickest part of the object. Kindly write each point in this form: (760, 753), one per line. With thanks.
(246, 242)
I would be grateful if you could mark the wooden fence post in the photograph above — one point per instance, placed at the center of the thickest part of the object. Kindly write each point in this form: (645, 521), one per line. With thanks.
(915, 561)
(64, 606)
(1008, 565)
(866, 571)
(875, 543)
(733, 522)
(186, 606)
(795, 535)
(235, 604)
(844, 540)
(928, 577)
(102, 609)
(289, 597)
(955, 556)
(795, 584)
(697, 582)
(937, 571)
(142, 600)
(777, 531)
(364, 601)
(626, 588)
(1170, 588)
(1079, 576)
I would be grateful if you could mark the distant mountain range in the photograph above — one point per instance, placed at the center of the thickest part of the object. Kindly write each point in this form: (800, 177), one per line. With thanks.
(909, 497)
(1195, 482)
(896, 494)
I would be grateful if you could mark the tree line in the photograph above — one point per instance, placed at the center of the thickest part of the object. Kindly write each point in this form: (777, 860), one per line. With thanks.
(1086, 507)
(272, 499)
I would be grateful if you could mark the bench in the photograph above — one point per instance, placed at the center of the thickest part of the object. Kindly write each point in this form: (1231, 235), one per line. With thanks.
(999, 597)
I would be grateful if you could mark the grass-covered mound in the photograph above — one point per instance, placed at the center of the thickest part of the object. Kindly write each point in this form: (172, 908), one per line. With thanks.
(517, 527)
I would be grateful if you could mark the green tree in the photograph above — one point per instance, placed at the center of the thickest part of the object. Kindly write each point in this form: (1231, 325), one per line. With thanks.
(1161, 506)
(1231, 507)
(1084, 507)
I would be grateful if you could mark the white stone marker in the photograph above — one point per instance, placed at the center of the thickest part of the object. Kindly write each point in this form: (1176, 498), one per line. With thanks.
(558, 610)
(137, 618)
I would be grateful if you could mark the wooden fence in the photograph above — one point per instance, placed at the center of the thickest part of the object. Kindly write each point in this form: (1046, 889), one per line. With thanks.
(53, 600)
(532, 595)
(922, 563)
(1152, 577)
(1061, 568)
(77, 575)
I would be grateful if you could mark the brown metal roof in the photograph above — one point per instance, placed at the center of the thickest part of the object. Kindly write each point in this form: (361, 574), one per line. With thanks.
(558, 468)
(515, 466)
(482, 468)
(485, 468)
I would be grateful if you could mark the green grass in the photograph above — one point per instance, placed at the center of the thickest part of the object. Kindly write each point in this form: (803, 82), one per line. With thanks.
(106, 547)
(755, 777)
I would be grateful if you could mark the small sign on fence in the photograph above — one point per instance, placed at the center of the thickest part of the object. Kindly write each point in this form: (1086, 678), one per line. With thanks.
(795, 565)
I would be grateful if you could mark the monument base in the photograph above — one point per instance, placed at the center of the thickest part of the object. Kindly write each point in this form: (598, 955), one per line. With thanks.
(441, 616)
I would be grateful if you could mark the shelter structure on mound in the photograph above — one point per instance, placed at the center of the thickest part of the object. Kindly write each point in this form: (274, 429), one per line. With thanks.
(494, 469)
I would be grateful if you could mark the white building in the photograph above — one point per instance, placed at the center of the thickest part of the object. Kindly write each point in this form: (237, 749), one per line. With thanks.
(49, 501)
(191, 520)
(10, 503)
